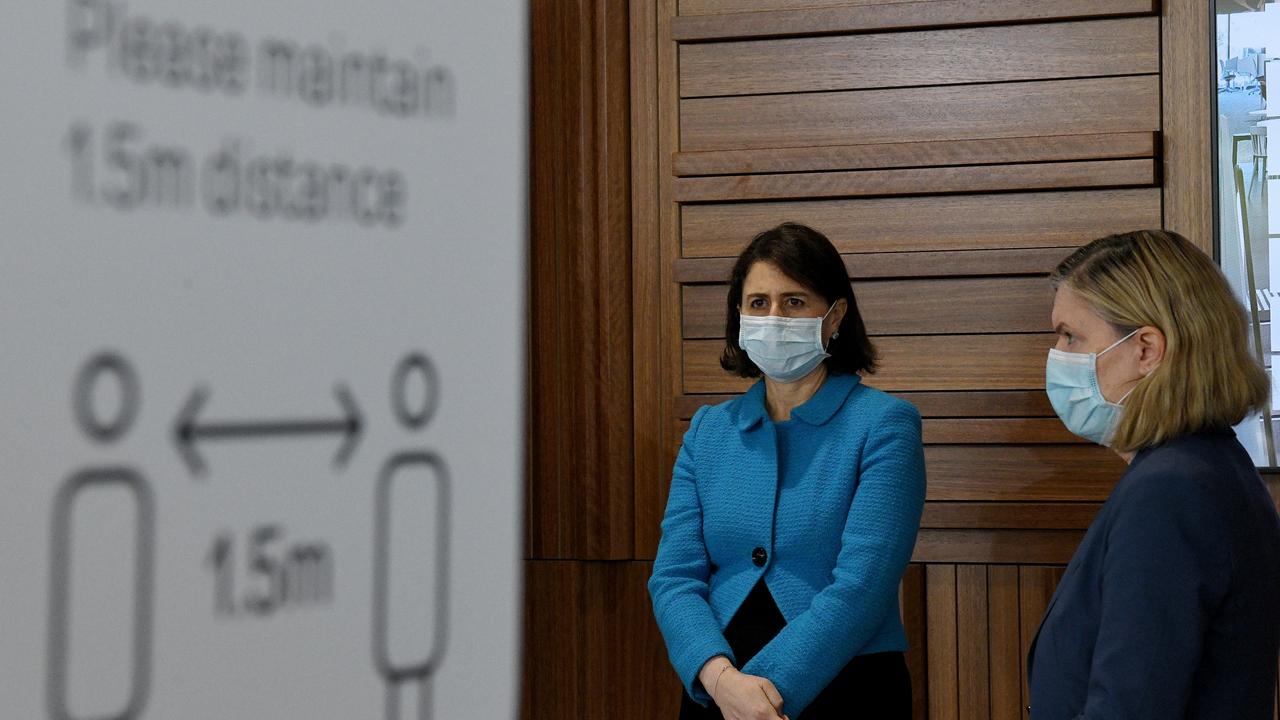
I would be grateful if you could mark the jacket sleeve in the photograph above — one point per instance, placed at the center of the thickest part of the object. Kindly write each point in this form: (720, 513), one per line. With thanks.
(1165, 570)
(878, 538)
(679, 584)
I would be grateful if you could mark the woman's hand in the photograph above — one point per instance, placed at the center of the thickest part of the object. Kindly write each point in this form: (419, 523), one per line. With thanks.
(747, 697)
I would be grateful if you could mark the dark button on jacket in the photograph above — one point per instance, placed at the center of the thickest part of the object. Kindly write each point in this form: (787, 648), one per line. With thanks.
(759, 556)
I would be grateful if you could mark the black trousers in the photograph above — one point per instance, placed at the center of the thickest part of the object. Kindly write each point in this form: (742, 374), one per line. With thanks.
(870, 687)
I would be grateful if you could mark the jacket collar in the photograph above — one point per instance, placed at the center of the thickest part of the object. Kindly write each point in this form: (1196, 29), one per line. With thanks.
(817, 410)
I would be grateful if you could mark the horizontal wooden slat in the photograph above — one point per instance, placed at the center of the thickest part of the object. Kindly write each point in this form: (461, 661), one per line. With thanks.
(1000, 403)
(1015, 109)
(910, 307)
(919, 154)
(1009, 516)
(1009, 547)
(1021, 472)
(997, 431)
(1128, 46)
(954, 222)
(919, 181)
(925, 362)
(982, 404)
(905, 265)
(737, 19)
(711, 7)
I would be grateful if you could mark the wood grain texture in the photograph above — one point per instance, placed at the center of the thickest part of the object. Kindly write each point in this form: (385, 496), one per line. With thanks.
(972, 642)
(1005, 652)
(923, 362)
(910, 307)
(913, 600)
(669, 214)
(989, 404)
(920, 181)
(581, 465)
(755, 20)
(944, 692)
(1035, 588)
(1127, 46)
(1189, 99)
(997, 431)
(1016, 109)
(592, 648)
(1009, 515)
(1011, 547)
(920, 224)
(1050, 473)
(713, 7)
(904, 265)
(646, 253)
(919, 154)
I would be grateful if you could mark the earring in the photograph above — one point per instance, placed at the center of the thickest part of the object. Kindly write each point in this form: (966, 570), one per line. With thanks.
(835, 335)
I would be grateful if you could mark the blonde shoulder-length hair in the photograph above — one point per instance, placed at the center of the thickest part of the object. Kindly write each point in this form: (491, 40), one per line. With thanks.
(1207, 377)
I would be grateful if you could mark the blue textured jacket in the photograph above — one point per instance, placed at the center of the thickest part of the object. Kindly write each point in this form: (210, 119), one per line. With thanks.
(1169, 608)
(831, 538)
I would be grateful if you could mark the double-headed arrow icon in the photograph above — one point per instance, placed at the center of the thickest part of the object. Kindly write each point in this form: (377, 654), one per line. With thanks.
(188, 430)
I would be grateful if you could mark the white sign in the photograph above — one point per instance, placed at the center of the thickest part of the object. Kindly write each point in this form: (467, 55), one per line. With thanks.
(261, 348)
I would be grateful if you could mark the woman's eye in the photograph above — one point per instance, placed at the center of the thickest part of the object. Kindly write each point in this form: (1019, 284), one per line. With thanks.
(795, 302)
(757, 303)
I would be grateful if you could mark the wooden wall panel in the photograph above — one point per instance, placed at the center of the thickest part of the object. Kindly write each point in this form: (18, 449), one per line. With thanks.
(920, 362)
(984, 151)
(910, 307)
(735, 19)
(1017, 109)
(992, 137)
(908, 59)
(915, 224)
(920, 181)
(961, 263)
(581, 488)
(1005, 649)
(591, 646)
(1187, 73)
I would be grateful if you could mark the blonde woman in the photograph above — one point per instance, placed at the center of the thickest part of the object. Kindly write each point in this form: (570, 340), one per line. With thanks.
(1169, 607)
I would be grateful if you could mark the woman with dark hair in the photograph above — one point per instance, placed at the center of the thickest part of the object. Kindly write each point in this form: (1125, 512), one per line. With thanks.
(793, 508)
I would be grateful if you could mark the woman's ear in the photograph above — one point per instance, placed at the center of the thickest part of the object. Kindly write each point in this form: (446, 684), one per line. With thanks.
(836, 317)
(1151, 346)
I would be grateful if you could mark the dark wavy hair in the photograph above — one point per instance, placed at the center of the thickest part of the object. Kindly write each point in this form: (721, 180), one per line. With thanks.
(808, 257)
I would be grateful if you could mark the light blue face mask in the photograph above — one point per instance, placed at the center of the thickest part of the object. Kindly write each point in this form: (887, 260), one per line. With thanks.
(1071, 379)
(784, 348)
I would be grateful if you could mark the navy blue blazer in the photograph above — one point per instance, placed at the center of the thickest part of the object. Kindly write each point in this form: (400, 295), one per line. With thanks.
(1171, 606)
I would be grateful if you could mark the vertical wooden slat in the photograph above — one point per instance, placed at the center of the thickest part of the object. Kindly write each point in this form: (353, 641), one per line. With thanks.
(1035, 588)
(646, 254)
(669, 230)
(1004, 627)
(940, 589)
(913, 599)
(1187, 79)
(543, 521)
(581, 432)
(971, 642)
(555, 685)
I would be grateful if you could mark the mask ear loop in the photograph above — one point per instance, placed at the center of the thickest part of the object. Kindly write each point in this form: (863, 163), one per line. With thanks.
(1144, 377)
(835, 334)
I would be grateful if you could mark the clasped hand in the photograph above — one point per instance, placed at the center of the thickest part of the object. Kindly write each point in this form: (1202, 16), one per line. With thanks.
(740, 696)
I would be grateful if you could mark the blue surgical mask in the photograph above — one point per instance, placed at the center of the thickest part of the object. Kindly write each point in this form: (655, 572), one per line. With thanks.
(1071, 379)
(784, 348)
